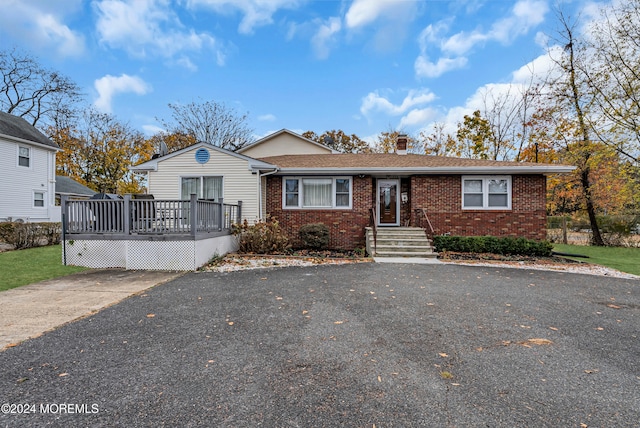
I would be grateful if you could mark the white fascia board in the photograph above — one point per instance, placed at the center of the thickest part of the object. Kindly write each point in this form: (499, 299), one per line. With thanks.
(434, 170)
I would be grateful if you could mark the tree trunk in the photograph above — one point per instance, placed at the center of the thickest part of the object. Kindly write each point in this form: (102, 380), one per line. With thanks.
(596, 238)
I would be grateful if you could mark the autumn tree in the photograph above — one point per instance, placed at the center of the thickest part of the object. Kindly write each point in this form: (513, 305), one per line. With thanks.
(340, 141)
(438, 142)
(100, 151)
(174, 141)
(210, 122)
(41, 96)
(386, 142)
(474, 137)
(614, 75)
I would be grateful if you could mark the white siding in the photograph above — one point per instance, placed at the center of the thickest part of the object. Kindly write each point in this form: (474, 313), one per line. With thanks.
(239, 184)
(19, 183)
(284, 144)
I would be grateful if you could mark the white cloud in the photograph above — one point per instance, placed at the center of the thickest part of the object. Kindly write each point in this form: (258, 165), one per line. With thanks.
(376, 103)
(525, 15)
(109, 86)
(426, 68)
(418, 117)
(267, 117)
(150, 28)
(257, 13)
(325, 37)
(364, 12)
(41, 24)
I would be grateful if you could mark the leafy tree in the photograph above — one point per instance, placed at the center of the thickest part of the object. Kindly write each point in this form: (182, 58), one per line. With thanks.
(474, 137)
(41, 96)
(386, 142)
(340, 141)
(438, 142)
(100, 151)
(174, 141)
(210, 122)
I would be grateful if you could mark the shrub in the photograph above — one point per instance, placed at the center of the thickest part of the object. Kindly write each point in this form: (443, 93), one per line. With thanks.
(491, 244)
(262, 237)
(28, 235)
(315, 235)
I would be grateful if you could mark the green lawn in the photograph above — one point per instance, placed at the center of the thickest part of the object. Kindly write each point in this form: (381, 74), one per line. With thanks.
(621, 258)
(32, 265)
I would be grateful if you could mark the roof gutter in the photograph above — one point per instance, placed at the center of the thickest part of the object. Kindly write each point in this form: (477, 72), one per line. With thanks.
(260, 175)
(35, 143)
(546, 170)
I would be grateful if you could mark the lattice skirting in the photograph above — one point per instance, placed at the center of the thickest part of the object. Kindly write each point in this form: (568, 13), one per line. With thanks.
(147, 255)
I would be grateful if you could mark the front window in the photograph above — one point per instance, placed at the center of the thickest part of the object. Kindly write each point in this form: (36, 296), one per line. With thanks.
(38, 199)
(491, 193)
(24, 156)
(209, 188)
(317, 192)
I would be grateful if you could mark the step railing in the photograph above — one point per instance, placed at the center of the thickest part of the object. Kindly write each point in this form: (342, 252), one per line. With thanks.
(422, 216)
(374, 219)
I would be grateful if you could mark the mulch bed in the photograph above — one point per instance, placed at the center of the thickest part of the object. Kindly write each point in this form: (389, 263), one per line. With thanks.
(489, 257)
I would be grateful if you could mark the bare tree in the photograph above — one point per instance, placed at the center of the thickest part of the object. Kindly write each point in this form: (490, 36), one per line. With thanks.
(210, 122)
(39, 95)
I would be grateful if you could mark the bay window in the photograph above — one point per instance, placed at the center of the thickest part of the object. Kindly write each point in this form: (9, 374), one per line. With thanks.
(317, 192)
(486, 192)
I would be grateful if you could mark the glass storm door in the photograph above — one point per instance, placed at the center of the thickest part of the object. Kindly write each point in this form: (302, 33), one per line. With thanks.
(388, 206)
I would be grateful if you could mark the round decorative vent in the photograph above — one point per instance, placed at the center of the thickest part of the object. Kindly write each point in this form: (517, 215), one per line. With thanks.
(202, 155)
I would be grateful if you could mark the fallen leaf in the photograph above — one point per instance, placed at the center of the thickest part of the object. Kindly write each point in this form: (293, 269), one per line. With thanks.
(599, 328)
(553, 328)
(584, 426)
(443, 355)
(305, 312)
(12, 345)
(538, 341)
(230, 323)
(263, 279)
(151, 315)
(379, 379)
(338, 322)
(63, 374)
(210, 361)
(591, 371)
(278, 298)
(612, 306)
(455, 384)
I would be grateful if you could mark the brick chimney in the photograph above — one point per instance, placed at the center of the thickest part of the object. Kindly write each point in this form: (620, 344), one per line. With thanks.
(401, 144)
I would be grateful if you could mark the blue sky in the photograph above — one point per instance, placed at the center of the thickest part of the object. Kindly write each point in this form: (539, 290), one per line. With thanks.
(363, 66)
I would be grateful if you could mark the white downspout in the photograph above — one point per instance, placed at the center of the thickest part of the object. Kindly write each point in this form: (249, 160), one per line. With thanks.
(260, 188)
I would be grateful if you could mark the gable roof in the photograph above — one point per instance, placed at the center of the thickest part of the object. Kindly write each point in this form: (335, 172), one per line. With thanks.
(68, 186)
(152, 165)
(391, 163)
(16, 128)
(280, 132)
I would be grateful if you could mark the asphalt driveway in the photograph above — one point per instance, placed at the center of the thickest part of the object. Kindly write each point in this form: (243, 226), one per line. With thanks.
(357, 345)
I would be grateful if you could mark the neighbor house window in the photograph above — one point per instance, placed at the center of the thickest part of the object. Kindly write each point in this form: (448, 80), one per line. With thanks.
(24, 156)
(38, 199)
(203, 187)
(486, 192)
(317, 192)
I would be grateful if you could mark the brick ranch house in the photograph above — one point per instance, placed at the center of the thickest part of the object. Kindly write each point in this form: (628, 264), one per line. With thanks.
(298, 181)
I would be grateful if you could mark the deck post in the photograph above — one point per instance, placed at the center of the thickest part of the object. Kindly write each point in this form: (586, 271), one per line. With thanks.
(193, 214)
(220, 214)
(127, 218)
(239, 215)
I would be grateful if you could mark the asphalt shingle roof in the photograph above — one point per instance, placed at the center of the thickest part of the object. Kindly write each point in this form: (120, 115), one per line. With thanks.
(387, 160)
(17, 127)
(68, 186)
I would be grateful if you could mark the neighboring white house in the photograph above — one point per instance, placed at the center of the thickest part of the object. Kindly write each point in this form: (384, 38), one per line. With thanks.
(27, 172)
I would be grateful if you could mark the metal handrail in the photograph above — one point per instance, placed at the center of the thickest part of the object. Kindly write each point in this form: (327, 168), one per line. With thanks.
(375, 229)
(424, 214)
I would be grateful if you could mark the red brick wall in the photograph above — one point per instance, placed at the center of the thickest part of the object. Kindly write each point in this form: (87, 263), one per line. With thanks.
(346, 227)
(441, 196)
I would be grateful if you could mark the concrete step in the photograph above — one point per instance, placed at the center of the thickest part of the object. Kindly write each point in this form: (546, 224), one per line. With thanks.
(405, 254)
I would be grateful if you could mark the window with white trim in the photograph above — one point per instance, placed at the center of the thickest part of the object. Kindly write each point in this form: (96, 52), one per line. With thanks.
(317, 192)
(24, 156)
(206, 187)
(486, 192)
(38, 199)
